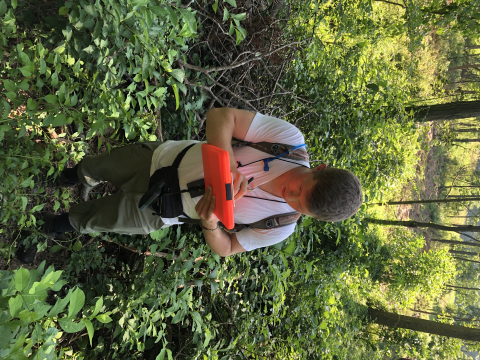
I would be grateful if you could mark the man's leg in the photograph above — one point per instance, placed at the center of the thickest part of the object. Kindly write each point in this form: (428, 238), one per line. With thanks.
(118, 166)
(128, 168)
(116, 213)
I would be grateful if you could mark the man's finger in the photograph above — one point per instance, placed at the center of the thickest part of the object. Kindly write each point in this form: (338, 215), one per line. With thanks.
(242, 191)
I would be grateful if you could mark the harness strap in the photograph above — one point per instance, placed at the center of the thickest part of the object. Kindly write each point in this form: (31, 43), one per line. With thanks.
(275, 149)
(270, 222)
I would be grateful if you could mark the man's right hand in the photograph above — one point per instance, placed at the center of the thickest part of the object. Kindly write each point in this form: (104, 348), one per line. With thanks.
(240, 184)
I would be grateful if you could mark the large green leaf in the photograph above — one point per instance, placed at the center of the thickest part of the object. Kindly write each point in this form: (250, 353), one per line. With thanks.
(189, 19)
(22, 278)
(60, 305)
(290, 247)
(89, 326)
(70, 326)
(15, 305)
(77, 300)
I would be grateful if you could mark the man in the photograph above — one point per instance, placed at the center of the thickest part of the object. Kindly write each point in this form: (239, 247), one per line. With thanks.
(288, 185)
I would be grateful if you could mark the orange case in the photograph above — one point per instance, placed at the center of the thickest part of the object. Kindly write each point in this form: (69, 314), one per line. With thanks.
(217, 174)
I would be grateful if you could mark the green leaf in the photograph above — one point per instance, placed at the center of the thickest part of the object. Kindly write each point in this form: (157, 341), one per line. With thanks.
(63, 10)
(59, 120)
(27, 70)
(14, 4)
(60, 305)
(89, 326)
(89, 49)
(70, 326)
(239, 17)
(77, 246)
(25, 59)
(145, 65)
(215, 6)
(231, 2)
(103, 318)
(339, 235)
(178, 316)
(208, 336)
(197, 317)
(189, 19)
(161, 355)
(173, 16)
(185, 32)
(177, 98)
(373, 87)
(225, 14)
(178, 74)
(41, 246)
(290, 248)
(77, 300)
(3, 7)
(51, 99)
(55, 248)
(22, 278)
(9, 85)
(98, 307)
(15, 305)
(323, 325)
(39, 295)
(213, 286)
(239, 37)
(232, 29)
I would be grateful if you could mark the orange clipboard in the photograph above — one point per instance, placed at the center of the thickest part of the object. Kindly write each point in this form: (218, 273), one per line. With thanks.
(217, 174)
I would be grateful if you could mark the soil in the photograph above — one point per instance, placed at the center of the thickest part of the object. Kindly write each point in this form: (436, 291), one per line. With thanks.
(424, 186)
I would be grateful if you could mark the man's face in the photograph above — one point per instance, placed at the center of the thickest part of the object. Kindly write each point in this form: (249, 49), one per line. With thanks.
(297, 188)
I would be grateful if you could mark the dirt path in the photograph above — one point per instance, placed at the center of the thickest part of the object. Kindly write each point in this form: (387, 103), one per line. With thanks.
(424, 186)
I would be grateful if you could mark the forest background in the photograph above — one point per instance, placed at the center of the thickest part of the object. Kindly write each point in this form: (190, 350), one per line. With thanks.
(386, 89)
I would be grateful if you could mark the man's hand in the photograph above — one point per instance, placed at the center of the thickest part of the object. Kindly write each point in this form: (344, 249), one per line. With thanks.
(205, 208)
(240, 184)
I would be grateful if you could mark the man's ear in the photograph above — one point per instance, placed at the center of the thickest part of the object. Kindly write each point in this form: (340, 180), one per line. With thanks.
(320, 167)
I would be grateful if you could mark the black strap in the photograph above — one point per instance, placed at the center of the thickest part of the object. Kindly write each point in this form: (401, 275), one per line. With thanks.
(179, 158)
(271, 222)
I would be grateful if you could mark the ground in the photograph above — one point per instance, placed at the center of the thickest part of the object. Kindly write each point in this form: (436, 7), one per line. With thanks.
(424, 186)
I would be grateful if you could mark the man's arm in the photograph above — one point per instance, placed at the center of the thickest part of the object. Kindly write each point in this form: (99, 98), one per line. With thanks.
(222, 125)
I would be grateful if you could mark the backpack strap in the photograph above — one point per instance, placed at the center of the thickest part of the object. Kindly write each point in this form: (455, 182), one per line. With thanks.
(275, 149)
(270, 222)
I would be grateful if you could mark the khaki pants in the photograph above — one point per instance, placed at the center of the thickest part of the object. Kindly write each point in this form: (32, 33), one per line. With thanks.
(128, 168)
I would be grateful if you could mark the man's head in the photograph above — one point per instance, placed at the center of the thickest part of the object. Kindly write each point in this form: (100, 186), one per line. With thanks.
(336, 195)
(327, 194)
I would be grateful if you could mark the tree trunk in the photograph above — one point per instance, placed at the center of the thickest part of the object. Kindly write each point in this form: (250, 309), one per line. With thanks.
(466, 260)
(474, 130)
(450, 111)
(460, 186)
(453, 242)
(471, 66)
(472, 47)
(461, 252)
(462, 287)
(418, 224)
(466, 140)
(431, 327)
(434, 201)
(437, 314)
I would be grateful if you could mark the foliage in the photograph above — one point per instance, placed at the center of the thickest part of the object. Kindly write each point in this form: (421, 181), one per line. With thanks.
(29, 323)
(109, 72)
